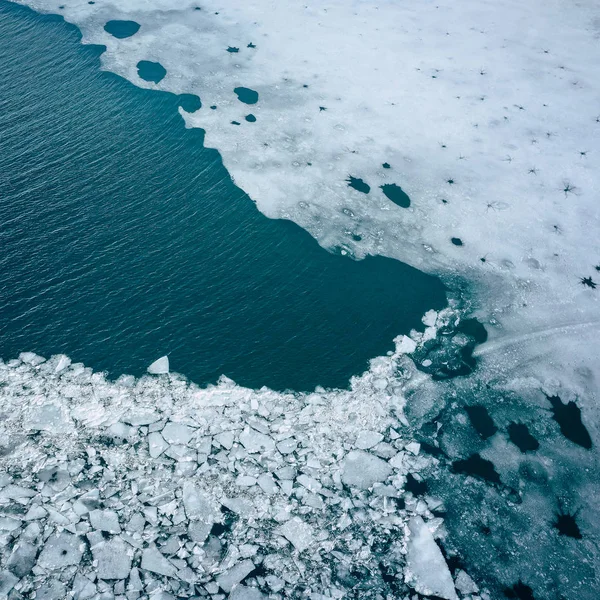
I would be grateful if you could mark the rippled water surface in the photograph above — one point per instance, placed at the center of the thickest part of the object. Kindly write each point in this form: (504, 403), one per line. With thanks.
(123, 239)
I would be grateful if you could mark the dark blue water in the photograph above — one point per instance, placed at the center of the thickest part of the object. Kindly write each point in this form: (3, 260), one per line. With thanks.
(122, 238)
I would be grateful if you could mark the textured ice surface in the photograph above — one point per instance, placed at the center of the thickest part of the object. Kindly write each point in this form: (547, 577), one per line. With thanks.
(94, 508)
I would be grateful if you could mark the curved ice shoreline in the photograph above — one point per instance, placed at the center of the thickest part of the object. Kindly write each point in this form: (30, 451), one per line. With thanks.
(179, 491)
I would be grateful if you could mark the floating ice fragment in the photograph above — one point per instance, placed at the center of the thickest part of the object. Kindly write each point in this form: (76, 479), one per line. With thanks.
(138, 418)
(114, 561)
(153, 560)
(367, 439)
(254, 441)
(299, 533)
(234, 575)
(83, 588)
(159, 366)
(464, 584)
(105, 520)
(31, 358)
(61, 550)
(156, 444)
(427, 571)
(22, 559)
(197, 504)
(413, 447)
(63, 363)
(177, 433)
(7, 582)
(242, 592)
(362, 470)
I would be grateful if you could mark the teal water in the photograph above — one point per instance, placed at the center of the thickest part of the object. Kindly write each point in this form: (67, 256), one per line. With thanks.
(123, 239)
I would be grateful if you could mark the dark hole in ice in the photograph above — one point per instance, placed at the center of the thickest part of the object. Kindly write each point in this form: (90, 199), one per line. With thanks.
(456, 241)
(568, 417)
(431, 449)
(567, 525)
(473, 328)
(121, 29)
(519, 435)
(356, 237)
(213, 107)
(400, 503)
(151, 71)
(235, 123)
(589, 282)
(197, 8)
(520, 591)
(387, 574)
(190, 102)
(477, 467)
(251, 45)
(386, 165)
(229, 519)
(416, 487)
(246, 95)
(250, 118)
(64, 552)
(232, 49)
(358, 184)
(396, 194)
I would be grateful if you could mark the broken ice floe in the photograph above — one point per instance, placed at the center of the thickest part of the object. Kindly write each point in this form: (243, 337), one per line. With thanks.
(178, 491)
(159, 366)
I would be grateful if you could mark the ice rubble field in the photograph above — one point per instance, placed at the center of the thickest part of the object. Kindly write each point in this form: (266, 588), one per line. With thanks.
(487, 115)
(157, 488)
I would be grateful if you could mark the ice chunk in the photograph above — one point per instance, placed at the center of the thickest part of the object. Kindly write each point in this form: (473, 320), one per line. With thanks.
(367, 439)
(198, 506)
(464, 584)
(225, 439)
(156, 444)
(63, 363)
(427, 572)
(51, 590)
(362, 470)
(177, 433)
(234, 575)
(83, 588)
(299, 533)
(61, 550)
(22, 559)
(243, 592)
(7, 582)
(138, 418)
(153, 560)
(267, 484)
(198, 531)
(254, 441)
(114, 560)
(35, 512)
(159, 366)
(105, 520)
